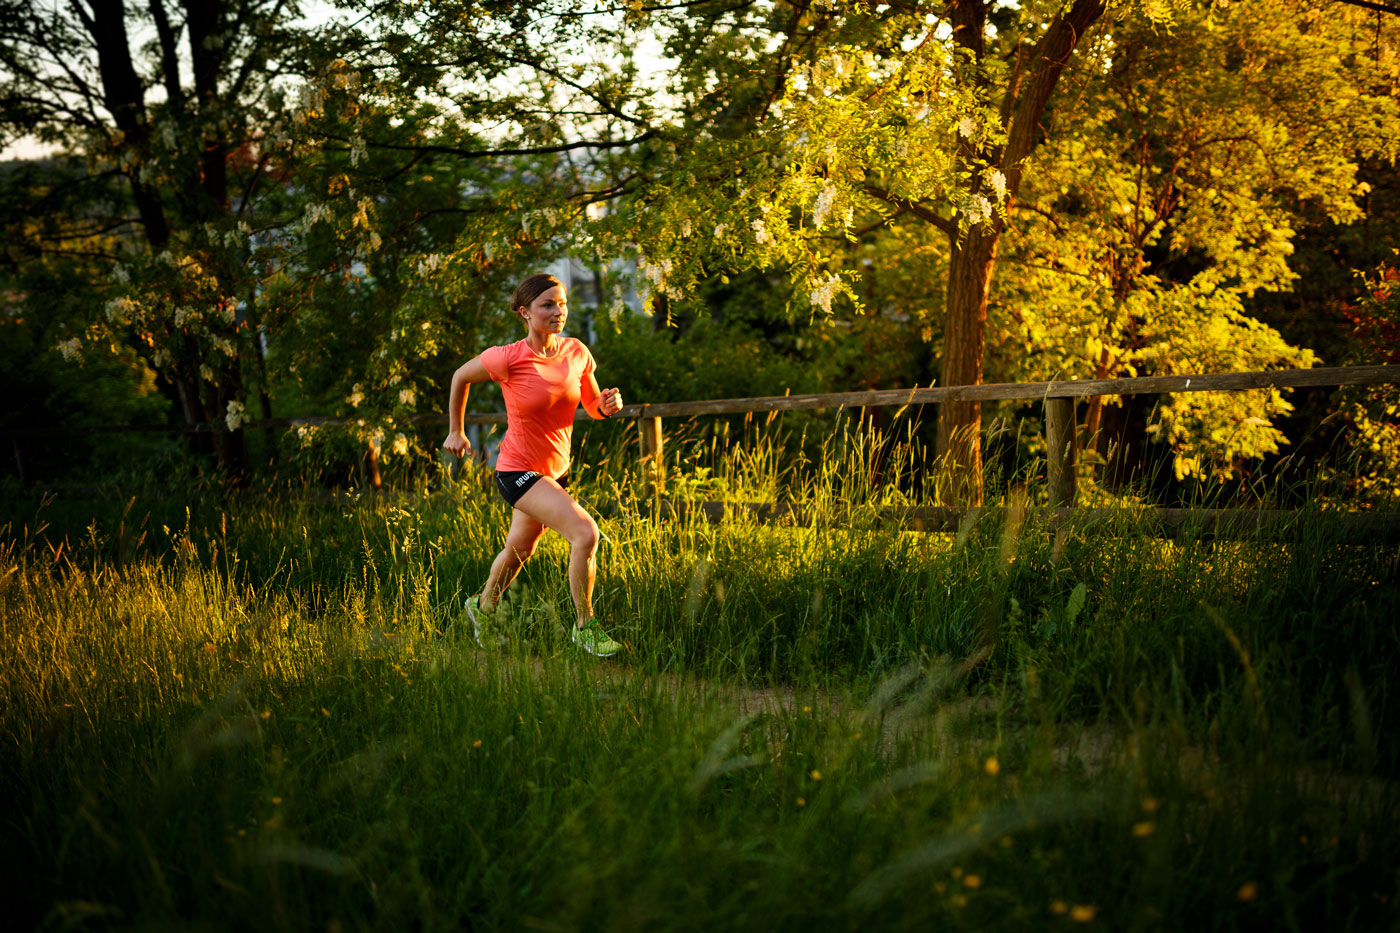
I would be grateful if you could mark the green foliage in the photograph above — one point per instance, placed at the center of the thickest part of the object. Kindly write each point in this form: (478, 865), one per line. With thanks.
(1171, 192)
(383, 178)
(51, 374)
(1373, 412)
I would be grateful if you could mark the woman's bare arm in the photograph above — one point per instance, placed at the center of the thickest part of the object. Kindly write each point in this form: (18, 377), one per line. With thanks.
(599, 403)
(473, 370)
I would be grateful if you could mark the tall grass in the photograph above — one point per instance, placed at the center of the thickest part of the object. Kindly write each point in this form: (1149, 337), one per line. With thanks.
(265, 713)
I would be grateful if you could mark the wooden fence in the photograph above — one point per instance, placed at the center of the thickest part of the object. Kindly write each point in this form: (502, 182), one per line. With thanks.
(1061, 437)
(1058, 398)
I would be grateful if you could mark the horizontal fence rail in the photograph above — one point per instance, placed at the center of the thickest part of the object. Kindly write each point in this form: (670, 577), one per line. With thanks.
(1322, 377)
(1029, 391)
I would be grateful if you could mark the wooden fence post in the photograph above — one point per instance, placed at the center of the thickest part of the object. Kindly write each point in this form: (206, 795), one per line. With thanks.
(1062, 455)
(653, 460)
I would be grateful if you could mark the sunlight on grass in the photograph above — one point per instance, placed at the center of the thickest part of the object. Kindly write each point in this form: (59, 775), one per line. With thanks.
(267, 713)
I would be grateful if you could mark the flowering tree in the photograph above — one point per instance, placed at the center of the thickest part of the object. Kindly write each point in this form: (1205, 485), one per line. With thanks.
(180, 105)
(770, 128)
(214, 226)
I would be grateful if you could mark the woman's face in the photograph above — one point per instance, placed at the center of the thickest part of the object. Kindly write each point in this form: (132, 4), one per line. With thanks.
(548, 312)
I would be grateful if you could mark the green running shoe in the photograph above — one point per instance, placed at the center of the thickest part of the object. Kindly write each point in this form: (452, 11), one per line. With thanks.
(482, 624)
(595, 641)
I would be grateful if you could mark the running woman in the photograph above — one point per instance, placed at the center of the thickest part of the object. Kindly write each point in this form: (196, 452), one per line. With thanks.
(543, 378)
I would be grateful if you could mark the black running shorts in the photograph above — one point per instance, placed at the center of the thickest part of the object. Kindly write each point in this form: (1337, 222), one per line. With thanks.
(514, 484)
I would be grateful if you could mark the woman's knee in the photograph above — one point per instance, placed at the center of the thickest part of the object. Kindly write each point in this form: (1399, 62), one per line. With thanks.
(522, 549)
(584, 534)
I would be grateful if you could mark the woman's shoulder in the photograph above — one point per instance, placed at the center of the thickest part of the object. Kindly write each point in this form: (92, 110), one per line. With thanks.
(500, 358)
(504, 350)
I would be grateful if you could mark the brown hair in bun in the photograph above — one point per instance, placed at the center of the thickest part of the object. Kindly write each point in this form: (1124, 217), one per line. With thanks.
(530, 289)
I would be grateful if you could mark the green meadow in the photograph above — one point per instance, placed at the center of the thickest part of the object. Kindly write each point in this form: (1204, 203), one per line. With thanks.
(266, 712)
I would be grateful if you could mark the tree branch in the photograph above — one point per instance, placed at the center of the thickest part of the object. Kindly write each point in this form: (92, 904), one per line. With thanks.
(558, 76)
(1390, 8)
(1047, 59)
(251, 58)
(918, 210)
(490, 153)
(169, 56)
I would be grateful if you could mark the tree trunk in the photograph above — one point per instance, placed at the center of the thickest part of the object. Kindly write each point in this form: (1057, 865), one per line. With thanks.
(970, 270)
(124, 97)
(1122, 443)
(1094, 412)
(964, 336)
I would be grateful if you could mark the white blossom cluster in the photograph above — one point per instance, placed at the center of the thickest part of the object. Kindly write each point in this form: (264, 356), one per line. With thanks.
(978, 210)
(355, 397)
(238, 235)
(71, 348)
(967, 127)
(315, 213)
(121, 310)
(997, 182)
(655, 271)
(825, 200)
(830, 72)
(311, 100)
(761, 234)
(408, 397)
(400, 444)
(825, 291)
(235, 416)
(429, 262)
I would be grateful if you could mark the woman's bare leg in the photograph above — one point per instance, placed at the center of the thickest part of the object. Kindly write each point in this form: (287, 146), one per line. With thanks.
(524, 534)
(549, 504)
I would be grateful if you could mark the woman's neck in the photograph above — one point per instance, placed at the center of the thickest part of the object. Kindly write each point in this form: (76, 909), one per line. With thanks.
(543, 344)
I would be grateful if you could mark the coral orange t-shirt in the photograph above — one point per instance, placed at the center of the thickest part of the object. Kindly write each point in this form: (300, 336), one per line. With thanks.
(542, 394)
